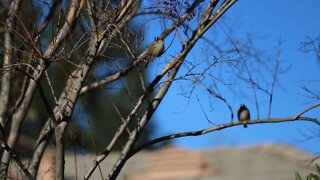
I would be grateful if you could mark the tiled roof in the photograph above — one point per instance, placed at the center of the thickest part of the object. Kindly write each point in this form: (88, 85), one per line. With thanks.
(175, 163)
(263, 162)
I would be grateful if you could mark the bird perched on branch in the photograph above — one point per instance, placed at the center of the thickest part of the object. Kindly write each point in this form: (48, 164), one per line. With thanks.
(243, 114)
(155, 50)
(106, 18)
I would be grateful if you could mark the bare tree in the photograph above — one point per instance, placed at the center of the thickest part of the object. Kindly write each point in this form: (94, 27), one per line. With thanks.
(83, 36)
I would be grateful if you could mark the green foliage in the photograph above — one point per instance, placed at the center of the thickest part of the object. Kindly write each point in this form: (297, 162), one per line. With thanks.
(297, 175)
(311, 176)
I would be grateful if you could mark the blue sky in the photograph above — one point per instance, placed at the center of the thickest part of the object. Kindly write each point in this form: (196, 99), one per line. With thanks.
(267, 21)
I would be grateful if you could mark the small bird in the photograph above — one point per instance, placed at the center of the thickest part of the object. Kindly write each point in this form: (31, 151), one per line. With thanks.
(243, 114)
(106, 18)
(155, 50)
(110, 15)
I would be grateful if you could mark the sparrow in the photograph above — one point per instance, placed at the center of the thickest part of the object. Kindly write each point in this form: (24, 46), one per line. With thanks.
(243, 114)
(155, 50)
(106, 18)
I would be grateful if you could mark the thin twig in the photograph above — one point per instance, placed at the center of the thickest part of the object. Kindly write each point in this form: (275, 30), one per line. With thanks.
(275, 75)
(217, 128)
(174, 66)
(306, 110)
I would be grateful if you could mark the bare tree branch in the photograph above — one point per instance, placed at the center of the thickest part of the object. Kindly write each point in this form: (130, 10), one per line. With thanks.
(7, 60)
(217, 128)
(275, 76)
(68, 99)
(6, 78)
(306, 110)
(100, 48)
(16, 158)
(21, 111)
(117, 75)
(174, 66)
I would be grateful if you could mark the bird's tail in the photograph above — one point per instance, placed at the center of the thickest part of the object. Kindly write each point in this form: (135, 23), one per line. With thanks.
(245, 125)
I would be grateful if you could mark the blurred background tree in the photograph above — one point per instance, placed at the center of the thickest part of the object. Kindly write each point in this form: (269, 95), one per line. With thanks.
(95, 118)
(74, 76)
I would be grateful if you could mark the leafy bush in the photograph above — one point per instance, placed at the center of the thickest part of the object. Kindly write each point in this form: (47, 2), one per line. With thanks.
(311, 176)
